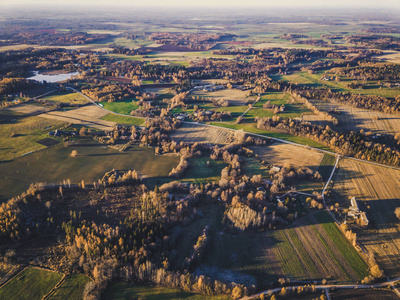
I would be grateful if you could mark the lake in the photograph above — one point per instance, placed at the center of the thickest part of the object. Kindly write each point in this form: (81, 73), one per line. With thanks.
(52, 78)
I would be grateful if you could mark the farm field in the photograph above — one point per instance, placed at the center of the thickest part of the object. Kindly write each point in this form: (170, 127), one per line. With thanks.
(363, 294)
(234, 96)
(72, 288)
(252, 128)
(280, 154)
(293, 109)
(193, 133)
(377, 191)
(312, 248)
(27, 131)
(169, 57)
(123, 120)
(30, 284)
(121, 107)
(92, 162)
(352, 118)
(89, 115)
(122, 290)
(303, 78)
(70, 98)
(27, 109)
(199, 171)
(390, 56)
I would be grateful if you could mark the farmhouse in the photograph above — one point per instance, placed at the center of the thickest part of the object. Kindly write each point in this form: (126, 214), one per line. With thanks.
(356, 213)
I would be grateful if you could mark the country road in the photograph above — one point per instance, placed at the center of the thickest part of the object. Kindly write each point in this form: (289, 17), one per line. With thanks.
(330, 286)
(246, 132)
(318, 287)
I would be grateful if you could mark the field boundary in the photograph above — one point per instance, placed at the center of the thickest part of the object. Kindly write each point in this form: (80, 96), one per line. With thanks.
(12, 277)
(56, 287)
(248, 133)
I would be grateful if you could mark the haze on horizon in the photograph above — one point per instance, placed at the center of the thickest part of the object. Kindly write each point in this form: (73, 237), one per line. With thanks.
(365, 4)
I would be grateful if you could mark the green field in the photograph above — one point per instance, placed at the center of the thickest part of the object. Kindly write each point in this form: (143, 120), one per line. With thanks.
(55, 164)
(121, 107)
(121, 290)
(351, 255)
(62, 97)
(123, 120)
(27, 131)
(72, 288)
(314, 80)
(236, 111)
(326, 166)
(30, 284)
(197, 172)
(307, 250)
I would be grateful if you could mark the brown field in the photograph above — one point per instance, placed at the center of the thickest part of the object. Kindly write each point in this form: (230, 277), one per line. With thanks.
(352, 118)
(377, 190)
(280, 154)
(193, 133)
(234, 96)
(28, 109)
(87, 115)
(363, 294)
(390, 56)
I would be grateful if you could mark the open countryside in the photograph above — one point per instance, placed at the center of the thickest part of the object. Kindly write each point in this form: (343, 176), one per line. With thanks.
(203, 152)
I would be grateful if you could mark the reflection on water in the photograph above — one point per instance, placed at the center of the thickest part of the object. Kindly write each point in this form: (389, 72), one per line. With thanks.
(52, 78)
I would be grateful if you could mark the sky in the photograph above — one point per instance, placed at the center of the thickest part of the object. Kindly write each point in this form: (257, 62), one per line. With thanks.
(211, 3)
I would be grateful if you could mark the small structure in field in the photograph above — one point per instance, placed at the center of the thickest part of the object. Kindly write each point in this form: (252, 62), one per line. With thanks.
(355, 213)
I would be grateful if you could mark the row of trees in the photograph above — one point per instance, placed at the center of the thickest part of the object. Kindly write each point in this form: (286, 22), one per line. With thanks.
(351, 143)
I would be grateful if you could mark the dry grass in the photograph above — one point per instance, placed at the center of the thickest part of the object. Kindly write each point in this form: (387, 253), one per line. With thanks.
(72, 98)
(234, 96)
(352, 118)
(280, 154)
(88, 116)
(391, 56)
(27, 109)
(377, 189)
(192, 133)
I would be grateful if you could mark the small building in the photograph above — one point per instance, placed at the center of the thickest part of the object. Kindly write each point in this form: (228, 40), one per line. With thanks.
(355, 213)
(275, 168)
